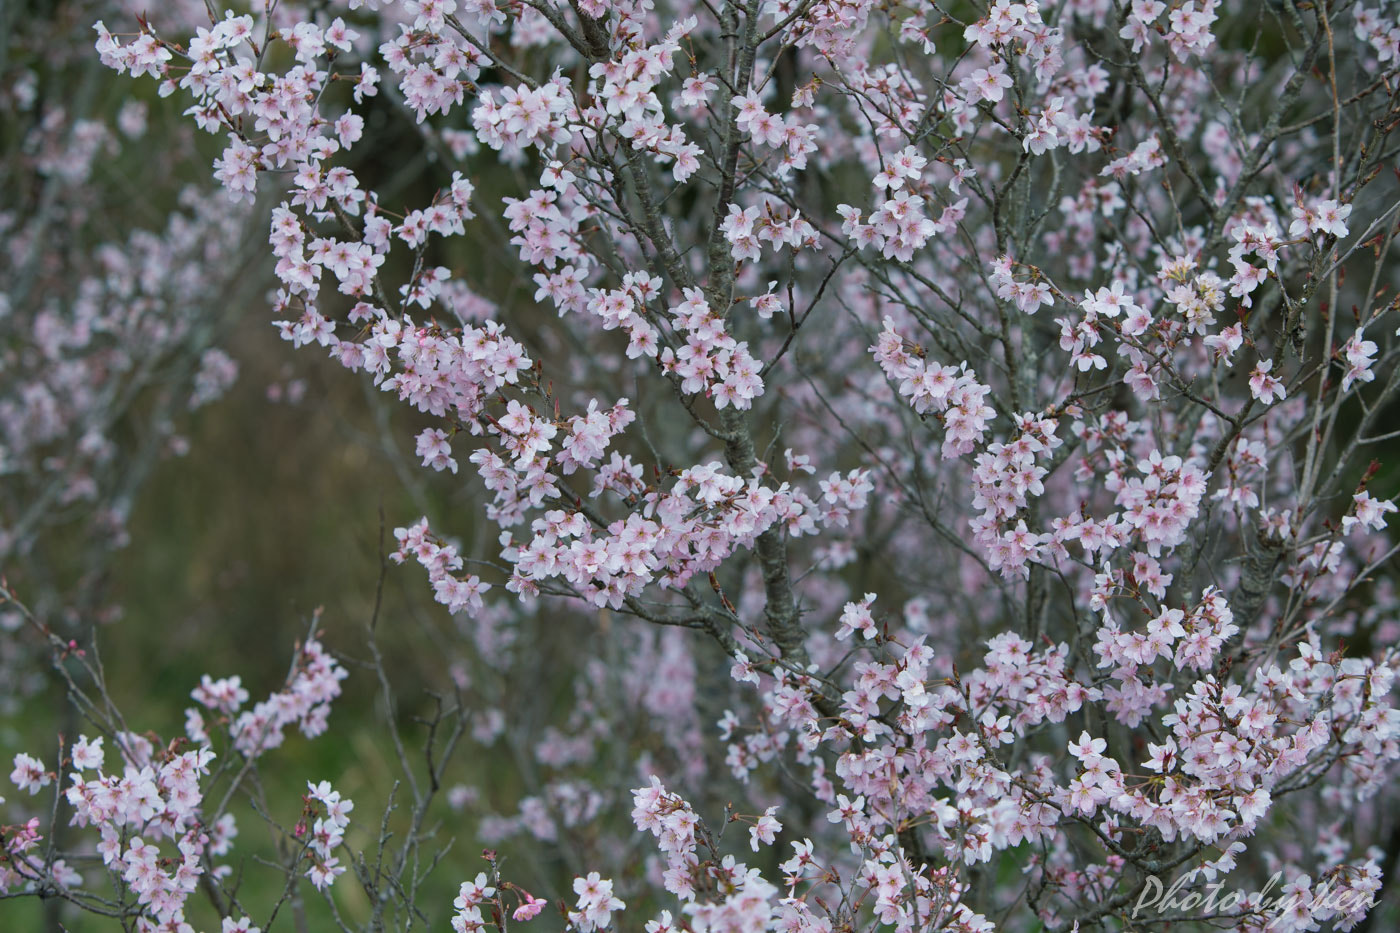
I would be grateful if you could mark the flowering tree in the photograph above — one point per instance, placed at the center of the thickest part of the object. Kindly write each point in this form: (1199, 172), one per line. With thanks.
(108, 325)
(993, 392)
